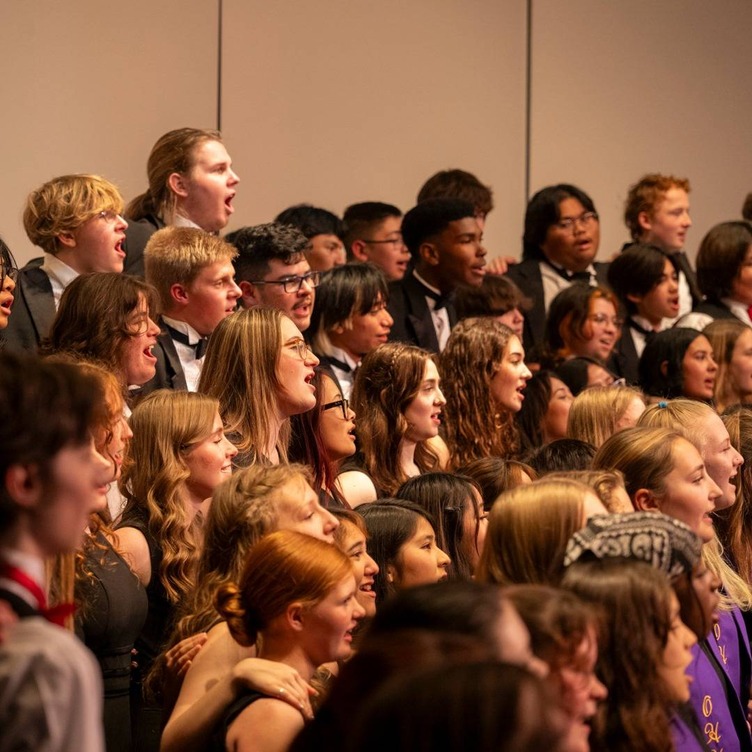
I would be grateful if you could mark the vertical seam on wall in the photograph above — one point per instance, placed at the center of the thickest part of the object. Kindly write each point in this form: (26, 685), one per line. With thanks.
(219, 65)
(528, 94)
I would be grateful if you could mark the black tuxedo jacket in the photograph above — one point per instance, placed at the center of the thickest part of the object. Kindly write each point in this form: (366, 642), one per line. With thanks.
(413, 322)
(33, 309)
(169, 373)
(624, 359)
(527, 276)
(136, 237)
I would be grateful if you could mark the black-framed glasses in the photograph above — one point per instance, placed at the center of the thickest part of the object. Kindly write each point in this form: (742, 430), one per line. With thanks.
(7, 270)
(342, 402)
(292, 284)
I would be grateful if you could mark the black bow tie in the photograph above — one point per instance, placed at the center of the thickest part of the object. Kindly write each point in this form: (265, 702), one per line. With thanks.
(199, 347)
(647, 333)
(569, 276)
(440, 300)
(337, 363)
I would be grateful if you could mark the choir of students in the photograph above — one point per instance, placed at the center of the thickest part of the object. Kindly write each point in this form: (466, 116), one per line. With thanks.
(341, 483)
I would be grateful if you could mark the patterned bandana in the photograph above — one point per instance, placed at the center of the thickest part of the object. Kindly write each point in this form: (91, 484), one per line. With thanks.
(661, 541)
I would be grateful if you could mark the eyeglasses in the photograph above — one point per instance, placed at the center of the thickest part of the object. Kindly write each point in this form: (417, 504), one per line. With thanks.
(7, 270)
(343, 403)
(394, 242)
(292, 284)
(109, 216)
(602, 318)
(568, 223)
(301, 348)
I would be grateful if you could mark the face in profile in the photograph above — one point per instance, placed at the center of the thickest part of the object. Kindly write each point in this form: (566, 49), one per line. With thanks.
(97, 244)
(205, 194)
(7, 286)
(336, 421)
(580, 691)
(689, 493)
(385, 248)
(677, 655)
(209, 462)
(423, 414)
(77, 485)
(740, 366)
(510, 378)
(722, 461)
(699, 370)
(295, 364)
(328, 626)
(419, 560)
(459, 255)
(137, 361)
(667, 225)
(366, 569)
(298, 509)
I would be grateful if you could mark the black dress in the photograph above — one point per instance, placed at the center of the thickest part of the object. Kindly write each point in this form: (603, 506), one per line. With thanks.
(147, 719)
(109, 620)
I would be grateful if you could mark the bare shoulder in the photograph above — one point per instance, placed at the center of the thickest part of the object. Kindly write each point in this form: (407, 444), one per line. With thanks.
(132, 545)
(214, 661)
(266, 725)
(356, 487)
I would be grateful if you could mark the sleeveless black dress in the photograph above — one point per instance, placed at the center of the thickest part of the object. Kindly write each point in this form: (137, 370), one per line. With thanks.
(110, 619)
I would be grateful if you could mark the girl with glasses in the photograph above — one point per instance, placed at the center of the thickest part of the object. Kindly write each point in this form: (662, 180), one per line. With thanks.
(260, 369)
(324, 437)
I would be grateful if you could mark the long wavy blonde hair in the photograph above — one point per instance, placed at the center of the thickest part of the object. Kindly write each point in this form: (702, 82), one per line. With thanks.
(475, 427)
(244, 509)
(166, 427)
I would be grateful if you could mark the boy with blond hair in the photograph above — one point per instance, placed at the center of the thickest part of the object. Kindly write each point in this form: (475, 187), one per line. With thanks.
(77, 221)
(193, 274)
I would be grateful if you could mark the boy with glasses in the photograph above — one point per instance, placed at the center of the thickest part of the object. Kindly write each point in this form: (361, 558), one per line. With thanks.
(271, 270)
(77, 221)
(373, 232)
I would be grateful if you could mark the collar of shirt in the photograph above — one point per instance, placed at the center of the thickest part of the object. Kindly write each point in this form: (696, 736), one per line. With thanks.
(32, 565)
(60, 274)
(181, 221)
(435, 290)
(554, 283)
(185, 328)
(739, 310)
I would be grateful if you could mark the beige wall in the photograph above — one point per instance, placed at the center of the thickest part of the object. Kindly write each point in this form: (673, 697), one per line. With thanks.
(88, 86)
(625, 88)
(348, 100)
(351, 100)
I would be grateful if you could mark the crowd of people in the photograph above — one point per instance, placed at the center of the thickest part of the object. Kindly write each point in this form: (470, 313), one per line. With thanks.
(344, 483)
